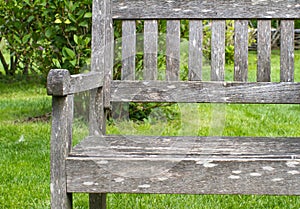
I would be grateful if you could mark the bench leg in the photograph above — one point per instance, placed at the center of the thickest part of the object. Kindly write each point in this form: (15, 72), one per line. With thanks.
(97, 201)
(61, 139)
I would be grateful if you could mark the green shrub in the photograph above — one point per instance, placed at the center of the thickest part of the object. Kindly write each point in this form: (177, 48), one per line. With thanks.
(41, 35)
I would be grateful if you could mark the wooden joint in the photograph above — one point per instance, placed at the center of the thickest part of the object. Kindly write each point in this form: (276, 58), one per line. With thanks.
(58, 82)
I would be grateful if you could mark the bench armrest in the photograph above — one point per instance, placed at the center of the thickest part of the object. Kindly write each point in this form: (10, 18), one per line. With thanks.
(61, 83)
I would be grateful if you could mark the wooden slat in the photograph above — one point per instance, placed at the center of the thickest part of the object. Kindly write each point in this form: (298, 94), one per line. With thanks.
(157, 147)
(173, 50)
(195, 9)
(195, 50)
(150, 49)
(108, 55)
(128, 49)
(263, 50)
(218, 50)
(193, 165)
(241, 50)
(196, 91)
(287, 51)
(98, 34)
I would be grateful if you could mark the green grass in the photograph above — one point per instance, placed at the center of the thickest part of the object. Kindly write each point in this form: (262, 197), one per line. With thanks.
(24, 145)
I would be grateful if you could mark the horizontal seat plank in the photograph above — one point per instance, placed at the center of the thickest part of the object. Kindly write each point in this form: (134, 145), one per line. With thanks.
(213, 9)
(205, 92)
(186, 147)
(187, 165)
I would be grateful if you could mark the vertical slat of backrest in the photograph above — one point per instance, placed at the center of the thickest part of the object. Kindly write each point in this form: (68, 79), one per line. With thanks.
(263, 50)
(241, 50)
(128, 49)
(287, 51)
(173, 50)
(217, 74)
(150, 49)
(195, 50)
(218, 50)
(108, 57)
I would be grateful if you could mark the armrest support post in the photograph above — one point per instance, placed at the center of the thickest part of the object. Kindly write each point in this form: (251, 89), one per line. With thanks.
(61, 142)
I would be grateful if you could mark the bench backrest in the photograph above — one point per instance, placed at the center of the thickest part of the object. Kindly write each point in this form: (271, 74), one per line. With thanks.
(217, 11)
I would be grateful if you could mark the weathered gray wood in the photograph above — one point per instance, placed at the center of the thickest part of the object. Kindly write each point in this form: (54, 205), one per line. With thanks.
(100, 97)
(97, 201)
(97, 117)
(214, 92)
(263, 50)
(217, 50)
(193, 165)
(98, 34)
(58, 82)
(190, 176)
(173, 50)
(109, 55)
(61, 83)
(150, 49)
(128, 49)
(156, 147)
(287, 51)
(241, 50)
(213, 9)
(61, 142)
(195, 50)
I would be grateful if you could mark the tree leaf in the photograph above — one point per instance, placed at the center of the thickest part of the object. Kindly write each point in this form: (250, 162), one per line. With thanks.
(87, 15)
(26, 38)
(69, 52)
(56, 63)
(76, 38)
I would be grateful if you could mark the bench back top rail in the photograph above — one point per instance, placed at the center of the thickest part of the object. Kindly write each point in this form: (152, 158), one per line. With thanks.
(199, 9)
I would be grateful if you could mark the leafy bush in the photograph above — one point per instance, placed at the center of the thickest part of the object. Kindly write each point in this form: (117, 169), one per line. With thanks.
(41, 35)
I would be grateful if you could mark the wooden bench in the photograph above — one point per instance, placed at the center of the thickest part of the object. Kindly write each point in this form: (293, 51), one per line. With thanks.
(103, 164)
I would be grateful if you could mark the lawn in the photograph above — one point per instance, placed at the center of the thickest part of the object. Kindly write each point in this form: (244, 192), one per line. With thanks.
(25, 131)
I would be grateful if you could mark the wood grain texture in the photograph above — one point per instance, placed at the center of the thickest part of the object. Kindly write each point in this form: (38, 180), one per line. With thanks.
(128, 49)
(263, 50)
(241, 50)
(61, 143)
(98, 34)
(217, 50)
(108, 55)
(150, 49)
(61, 83)
(200, 9)
(214, 92)
(173, 50)
(97, 116)
(287, 50)
(188, 165)
(195, 50)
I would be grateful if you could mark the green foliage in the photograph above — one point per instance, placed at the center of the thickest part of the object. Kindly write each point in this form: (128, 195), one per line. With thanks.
(41, 35)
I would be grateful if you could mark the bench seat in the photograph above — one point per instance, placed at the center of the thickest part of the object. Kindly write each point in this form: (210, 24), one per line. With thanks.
(184, 165)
